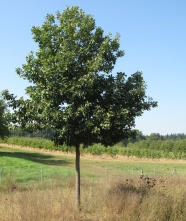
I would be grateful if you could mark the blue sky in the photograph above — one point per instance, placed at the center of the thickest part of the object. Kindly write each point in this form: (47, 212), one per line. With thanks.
(153, 36)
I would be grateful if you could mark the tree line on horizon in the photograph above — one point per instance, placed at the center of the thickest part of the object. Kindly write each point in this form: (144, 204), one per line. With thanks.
(138, 135)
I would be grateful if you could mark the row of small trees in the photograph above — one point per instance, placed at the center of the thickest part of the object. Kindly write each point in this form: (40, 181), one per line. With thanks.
(144, 148)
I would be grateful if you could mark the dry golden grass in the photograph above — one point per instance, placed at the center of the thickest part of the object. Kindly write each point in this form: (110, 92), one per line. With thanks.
(125, 199)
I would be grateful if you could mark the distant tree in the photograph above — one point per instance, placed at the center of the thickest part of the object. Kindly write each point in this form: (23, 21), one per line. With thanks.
(155, 136)
(3, 122)
(20, 132)
(73, 89)
(178, 136)
(137, 136)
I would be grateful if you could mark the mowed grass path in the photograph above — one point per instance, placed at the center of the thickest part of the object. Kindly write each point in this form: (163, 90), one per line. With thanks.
(25, 166)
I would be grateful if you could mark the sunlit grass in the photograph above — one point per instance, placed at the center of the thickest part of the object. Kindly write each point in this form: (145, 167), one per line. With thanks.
(31, 166)
(40, 186)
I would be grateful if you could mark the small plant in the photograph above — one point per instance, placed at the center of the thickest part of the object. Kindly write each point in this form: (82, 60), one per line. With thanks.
(9, 184)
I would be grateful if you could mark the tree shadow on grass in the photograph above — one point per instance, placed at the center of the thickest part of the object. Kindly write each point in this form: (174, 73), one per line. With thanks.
(36, 157)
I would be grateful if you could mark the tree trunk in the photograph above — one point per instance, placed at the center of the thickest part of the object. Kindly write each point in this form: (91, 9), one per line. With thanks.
(78, 177)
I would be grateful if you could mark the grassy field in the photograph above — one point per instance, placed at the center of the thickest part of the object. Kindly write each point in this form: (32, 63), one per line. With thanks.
(31, 165)
(41, 186)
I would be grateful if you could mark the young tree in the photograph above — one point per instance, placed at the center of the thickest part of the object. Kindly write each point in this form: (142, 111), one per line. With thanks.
(3, 122)
(73, 90)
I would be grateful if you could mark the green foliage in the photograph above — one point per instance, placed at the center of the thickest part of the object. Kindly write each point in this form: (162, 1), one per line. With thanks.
(73, 90)
(3, 122)
(149, 139)
(160, 148)
(144, 148)
(36, 143)
(96, 149)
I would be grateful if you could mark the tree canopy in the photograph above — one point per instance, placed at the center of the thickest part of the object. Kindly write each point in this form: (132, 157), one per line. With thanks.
(73, 90)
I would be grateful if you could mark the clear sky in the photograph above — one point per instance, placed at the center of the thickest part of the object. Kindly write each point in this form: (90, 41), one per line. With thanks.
(153, 36)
